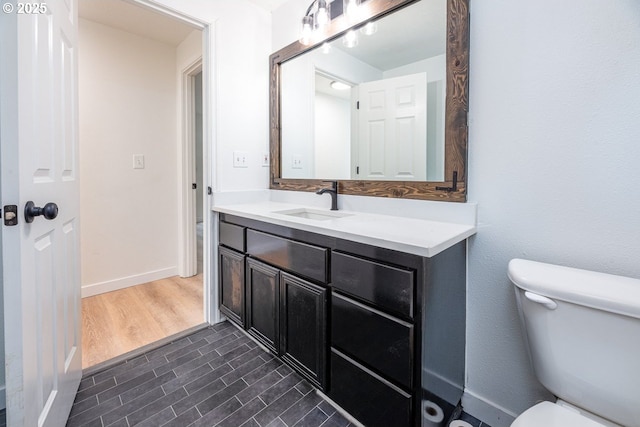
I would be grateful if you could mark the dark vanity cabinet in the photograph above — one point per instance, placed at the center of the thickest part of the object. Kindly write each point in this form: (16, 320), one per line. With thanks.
(263, 294)
(303, 320)
(285, 297)
(231, 272)
(379, 331)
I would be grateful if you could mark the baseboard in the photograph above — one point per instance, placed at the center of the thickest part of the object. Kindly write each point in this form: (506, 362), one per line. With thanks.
(3, 397)
(125, 282)
(486, 411)
(442, 387)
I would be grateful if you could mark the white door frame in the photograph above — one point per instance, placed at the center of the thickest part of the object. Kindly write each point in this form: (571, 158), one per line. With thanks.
(187, 262)
(211, 312)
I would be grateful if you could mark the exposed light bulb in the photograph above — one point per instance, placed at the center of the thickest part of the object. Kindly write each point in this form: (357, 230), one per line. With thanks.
(306, 31)
(350, 39)
(369, 29)
(326, 48)
(350, 8)
(322, 15)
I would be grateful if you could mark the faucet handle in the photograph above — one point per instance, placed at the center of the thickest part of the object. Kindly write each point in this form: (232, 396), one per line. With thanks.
(334, 185)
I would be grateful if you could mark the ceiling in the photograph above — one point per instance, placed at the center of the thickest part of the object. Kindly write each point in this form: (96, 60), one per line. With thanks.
(416, 32)
(135, 19)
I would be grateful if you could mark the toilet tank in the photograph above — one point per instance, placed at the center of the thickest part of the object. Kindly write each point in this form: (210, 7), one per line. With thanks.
(583, 333)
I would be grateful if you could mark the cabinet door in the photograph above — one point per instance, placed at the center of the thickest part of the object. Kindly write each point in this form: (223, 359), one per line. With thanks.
(303, 317)
(231, 278)
(263, 303)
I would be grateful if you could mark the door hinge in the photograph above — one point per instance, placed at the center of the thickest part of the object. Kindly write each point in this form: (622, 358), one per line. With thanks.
(357, 170)
(10, 215)
(357, 105)
(209, 191)
(194, 186)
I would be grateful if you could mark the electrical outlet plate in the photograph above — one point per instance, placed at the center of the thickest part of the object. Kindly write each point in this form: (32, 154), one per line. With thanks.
(138, 161)
(240, 159)
(296, 161)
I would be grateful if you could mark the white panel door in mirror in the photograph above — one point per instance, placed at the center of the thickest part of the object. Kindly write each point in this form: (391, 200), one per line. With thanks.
(392, 121)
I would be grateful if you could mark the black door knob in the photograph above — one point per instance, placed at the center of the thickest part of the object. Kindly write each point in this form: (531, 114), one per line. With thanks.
(49, 211)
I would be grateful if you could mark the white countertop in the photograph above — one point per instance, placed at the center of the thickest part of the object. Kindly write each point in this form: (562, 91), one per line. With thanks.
(417, 236)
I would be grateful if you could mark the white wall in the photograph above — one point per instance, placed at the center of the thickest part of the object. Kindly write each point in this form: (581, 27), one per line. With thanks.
(553, 164)
(239, 85)
(127, 100)
(332, 137)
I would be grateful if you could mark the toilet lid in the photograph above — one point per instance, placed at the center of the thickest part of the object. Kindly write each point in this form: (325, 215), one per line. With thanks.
(548, 414)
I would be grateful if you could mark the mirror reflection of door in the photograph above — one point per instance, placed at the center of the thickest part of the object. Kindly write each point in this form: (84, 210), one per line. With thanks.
(392, 121)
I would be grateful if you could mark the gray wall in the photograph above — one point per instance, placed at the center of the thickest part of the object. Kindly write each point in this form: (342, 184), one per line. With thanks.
(554, 165)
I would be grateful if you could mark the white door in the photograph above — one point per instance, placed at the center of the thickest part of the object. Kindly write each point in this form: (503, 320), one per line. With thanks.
(392, 124)
(40, 260)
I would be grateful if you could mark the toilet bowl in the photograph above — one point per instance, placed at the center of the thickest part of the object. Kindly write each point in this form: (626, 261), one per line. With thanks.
(579, 327)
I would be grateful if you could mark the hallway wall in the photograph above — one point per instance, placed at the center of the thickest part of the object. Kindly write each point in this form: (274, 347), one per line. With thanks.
(128, 105)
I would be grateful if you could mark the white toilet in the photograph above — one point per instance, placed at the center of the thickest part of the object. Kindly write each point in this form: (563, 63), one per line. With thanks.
(583, 334)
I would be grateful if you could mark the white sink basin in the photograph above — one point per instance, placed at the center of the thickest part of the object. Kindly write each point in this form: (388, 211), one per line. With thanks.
(316, 215)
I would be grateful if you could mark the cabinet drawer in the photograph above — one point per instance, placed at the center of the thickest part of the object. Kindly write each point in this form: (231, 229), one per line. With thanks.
(376, 339)
(389, 288)
(303, 259)
(232, 236)
(369, 398)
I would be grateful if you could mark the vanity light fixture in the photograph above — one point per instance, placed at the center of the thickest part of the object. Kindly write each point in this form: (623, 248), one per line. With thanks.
(339, 85)
(351, 8)
(315, 21)
(307, 30)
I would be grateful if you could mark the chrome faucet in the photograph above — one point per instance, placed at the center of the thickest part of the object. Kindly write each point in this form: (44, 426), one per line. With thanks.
(333, 191)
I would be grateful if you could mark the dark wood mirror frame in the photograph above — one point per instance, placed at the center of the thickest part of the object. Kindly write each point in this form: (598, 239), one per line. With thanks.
(457, 87)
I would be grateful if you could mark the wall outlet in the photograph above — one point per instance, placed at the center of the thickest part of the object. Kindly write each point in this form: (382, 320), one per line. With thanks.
(296, 161)
(240, 159)
(265, 159)
(138, 161)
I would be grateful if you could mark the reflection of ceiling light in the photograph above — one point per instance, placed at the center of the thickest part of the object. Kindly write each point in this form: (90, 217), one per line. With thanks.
(350, 39)
(369, 29)
(326, 48)
(339, 85)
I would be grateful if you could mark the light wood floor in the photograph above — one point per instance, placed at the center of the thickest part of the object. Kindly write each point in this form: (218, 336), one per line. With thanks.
(117, 322)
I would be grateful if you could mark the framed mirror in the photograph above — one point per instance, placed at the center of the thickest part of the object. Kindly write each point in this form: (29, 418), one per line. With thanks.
(379, 104)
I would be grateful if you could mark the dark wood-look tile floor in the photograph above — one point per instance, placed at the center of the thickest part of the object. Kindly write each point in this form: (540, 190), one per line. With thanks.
(214, 377)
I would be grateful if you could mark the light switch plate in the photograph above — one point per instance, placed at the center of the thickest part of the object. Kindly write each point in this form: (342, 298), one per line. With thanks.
(138, 161)
(265, 159)
(240, 159)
